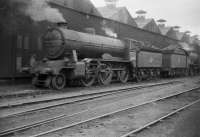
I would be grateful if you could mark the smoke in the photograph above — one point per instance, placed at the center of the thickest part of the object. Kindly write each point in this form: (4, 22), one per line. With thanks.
(40, 10)
(187, 47)
(193, 56)
(109, 32)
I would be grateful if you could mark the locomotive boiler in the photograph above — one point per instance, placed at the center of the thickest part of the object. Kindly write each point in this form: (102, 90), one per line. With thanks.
(60, 41)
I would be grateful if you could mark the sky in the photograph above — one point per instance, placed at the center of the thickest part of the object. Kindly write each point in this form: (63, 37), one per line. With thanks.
(183, 13)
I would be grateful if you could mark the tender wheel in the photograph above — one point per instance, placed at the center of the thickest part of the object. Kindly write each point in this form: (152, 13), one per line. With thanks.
(123, 75)
(34, 81)
(48, 82)
(139, 77)
(158, 74)
(105, 75)
(154, 74)
(149, 75)
(59, 81)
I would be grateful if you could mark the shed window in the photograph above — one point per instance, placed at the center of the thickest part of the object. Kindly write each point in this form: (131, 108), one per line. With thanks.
(26, 42)
(103, 22)
(39, 43)
(19, 41)
(19, 64)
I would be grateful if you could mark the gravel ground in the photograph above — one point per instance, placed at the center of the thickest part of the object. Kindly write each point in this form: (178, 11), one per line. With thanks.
(17, 109)
(77, 107)
(84, 106)
(119, 104)
(121, 123)
(184, 124)
(59, 94)
(13, 89)
(17, 89)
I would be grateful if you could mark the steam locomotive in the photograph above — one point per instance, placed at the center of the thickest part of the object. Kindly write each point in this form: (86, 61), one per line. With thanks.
(90, 58)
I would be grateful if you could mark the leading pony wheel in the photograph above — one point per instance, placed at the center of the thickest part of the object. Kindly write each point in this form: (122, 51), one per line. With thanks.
(59, 81)
(139, 77)
(34, 81)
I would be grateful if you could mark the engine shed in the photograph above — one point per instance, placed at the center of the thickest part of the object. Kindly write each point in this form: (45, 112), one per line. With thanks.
(21, 36)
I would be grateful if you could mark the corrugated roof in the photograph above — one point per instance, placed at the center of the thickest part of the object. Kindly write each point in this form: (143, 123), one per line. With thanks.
(198, 42)
(120, 14)
(142, 21)
(192, 39)
(186, 38)
(164, 29)
(143, 46)
(172, 34)
(172, 47)
(147, 24)
(179, 35)
(175, 48)
(195, 40)
(186, 46)
(79, 5)
(108, 12)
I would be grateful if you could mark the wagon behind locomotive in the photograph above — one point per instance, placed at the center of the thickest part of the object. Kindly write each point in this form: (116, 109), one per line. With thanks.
(175, 61)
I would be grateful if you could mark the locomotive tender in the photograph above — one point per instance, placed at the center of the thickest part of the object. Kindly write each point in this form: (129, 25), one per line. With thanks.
(90, 58)
(175, 61)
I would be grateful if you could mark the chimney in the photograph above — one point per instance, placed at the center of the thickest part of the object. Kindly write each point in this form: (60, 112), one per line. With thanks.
(161, 22)
(161, 25)
(62, 24)
(111, 3)
(176, 28)
(141, 14)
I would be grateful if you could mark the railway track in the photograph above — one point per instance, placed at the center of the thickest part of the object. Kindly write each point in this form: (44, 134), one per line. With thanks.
(129, 134)
(66, 96)
(63, 100)
(24, 93)
(11, 131)
(146, 126)
(34, 92)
